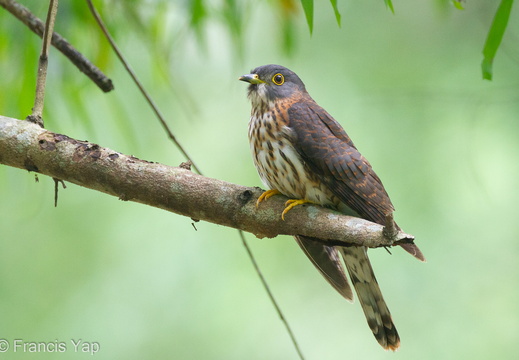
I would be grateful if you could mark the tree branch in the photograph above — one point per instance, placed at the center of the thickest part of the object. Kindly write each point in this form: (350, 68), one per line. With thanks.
(37, 26)
(27, 146)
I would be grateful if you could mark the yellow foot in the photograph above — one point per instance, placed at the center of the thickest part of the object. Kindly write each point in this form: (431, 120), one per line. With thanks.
(266, 195)
(290, 204)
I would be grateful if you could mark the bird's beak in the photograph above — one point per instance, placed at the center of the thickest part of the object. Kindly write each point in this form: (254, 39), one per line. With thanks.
(251, 78)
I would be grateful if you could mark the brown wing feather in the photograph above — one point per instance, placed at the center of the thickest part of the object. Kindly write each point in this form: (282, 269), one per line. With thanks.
(326, 260)
(329, 152)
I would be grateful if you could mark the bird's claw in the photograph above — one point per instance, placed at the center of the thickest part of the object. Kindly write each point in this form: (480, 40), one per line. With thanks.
(266, 195)
(288, 205)
(292, 203)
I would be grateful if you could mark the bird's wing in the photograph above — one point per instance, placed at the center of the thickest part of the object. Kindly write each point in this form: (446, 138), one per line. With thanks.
(326, 260)
(331, 155)
(329, 152)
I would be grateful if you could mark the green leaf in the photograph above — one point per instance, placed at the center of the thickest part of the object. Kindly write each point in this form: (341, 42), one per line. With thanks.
(198, 12)
(458, 4)
(336, 10)
(494, 37)
(308, 7)
(389, 5)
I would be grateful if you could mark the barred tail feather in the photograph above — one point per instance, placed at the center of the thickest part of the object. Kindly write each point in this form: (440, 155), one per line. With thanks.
(370, 297)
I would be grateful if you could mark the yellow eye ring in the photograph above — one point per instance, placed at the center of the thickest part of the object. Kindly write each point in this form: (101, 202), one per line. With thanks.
(278, 79)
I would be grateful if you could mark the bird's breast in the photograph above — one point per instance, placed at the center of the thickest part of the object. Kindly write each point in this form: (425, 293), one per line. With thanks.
(279, 164)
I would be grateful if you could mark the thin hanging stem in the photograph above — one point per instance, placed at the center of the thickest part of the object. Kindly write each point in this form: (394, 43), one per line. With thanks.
(270, 295)
(139, 84)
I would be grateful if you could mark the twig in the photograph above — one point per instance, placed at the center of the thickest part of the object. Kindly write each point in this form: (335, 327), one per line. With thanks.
(139, 84)
(56, 188)
(37, 26)
(39, 99)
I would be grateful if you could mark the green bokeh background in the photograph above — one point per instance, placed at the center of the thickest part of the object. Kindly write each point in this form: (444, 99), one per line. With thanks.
(145, 284)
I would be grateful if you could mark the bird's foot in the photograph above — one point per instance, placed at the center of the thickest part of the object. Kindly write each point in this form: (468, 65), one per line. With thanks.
(266, 195)
(291, 203)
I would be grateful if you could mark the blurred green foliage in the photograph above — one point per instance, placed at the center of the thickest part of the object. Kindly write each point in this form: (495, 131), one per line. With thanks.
(145, 284)
(389, 5)
(308, 7)
(494, 37)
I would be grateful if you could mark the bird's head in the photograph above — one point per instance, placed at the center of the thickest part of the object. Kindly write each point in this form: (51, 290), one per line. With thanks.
(269, 83)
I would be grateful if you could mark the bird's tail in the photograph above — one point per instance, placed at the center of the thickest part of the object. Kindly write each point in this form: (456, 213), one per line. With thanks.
(370, 297)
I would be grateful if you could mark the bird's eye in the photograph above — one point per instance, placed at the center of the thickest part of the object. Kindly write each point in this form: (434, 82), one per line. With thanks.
(278, 79)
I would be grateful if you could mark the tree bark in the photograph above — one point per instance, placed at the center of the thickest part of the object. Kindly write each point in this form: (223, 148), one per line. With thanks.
(27, 146)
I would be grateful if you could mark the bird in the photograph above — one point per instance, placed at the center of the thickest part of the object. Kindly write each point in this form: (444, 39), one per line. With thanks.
(302, 152)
